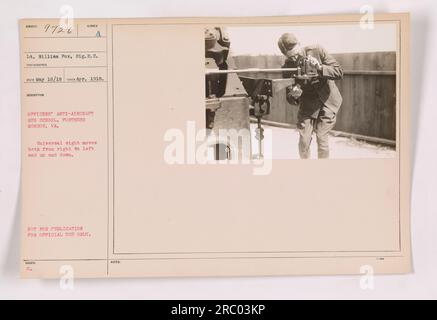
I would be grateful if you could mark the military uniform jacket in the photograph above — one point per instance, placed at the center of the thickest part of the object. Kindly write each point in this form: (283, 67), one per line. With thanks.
(324, 90)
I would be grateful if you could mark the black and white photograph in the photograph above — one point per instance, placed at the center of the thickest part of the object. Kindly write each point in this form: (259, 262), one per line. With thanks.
(225, 157)
(304, 91)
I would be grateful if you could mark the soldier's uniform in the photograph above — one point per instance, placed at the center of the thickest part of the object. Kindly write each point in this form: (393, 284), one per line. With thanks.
(319, 102)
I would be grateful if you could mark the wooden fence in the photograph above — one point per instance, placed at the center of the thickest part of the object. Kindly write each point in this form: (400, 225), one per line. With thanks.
(368, 89)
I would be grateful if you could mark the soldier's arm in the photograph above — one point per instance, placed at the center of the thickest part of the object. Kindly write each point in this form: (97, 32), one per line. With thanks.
(331, 69)
(286, 74)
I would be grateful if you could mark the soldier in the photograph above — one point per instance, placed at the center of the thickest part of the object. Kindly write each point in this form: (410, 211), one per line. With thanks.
(319, 98)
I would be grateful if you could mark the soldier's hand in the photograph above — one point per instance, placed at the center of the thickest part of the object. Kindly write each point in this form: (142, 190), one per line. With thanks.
(314, 62)
(296, 92)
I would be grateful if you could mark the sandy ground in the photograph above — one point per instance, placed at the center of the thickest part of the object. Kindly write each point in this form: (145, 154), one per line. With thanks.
(282, 143)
